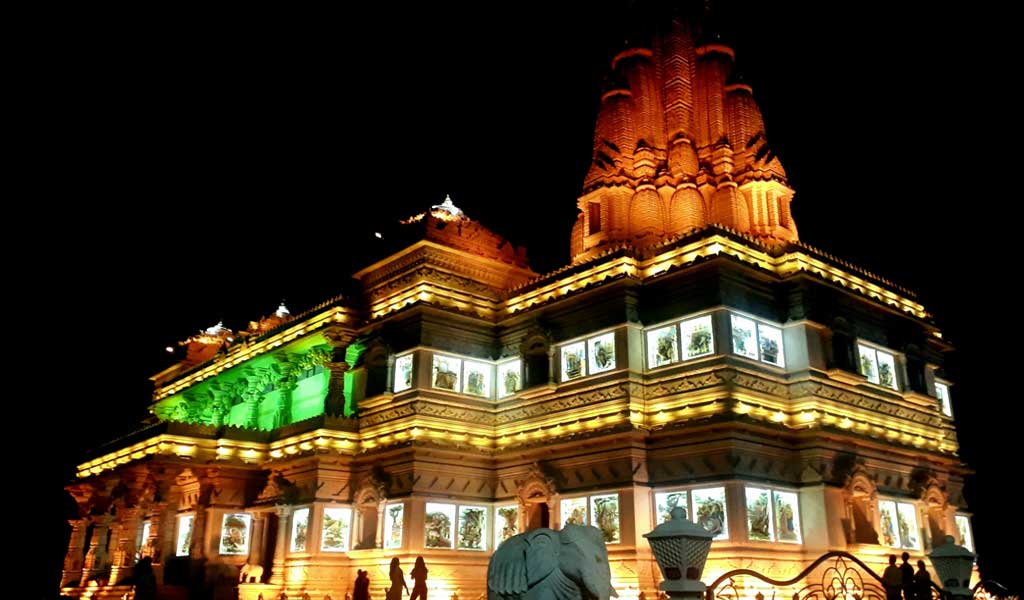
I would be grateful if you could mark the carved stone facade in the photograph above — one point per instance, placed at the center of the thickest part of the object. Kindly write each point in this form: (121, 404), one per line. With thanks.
(462, 398)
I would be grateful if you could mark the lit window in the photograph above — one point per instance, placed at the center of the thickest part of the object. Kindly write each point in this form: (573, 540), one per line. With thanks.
(878, 366)
(772, 515)
(446, 372)
(234, 533)
(439, 526)
(506, 523)
(662, 346)
(403, 373)
(477, 379)
(472, 532)
(140, 548)
(184, 542)
(709, 507)
(601, 353)
(697, 338)
(666, 501)
(601, 511)
(573, 364)
(509, 378)
(393, 514)
(963, 528)
(942, 393)
(898, 524)
(300, 530)
(334, 533)
(757, 340)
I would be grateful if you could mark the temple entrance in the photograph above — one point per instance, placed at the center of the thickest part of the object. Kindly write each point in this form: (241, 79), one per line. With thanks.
(538, 516)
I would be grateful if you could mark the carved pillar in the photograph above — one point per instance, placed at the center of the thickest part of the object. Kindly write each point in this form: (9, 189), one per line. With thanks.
(96, 555)
(259, 533)
(334, 404)
(124, 555)
(281, 545)
(76, 552)
(552, 364)
(218, 410)
(283, 409)
(389, 385)
(252, 398)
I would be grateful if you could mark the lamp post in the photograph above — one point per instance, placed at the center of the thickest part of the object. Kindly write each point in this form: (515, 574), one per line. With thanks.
(681, 549)
(953, 564)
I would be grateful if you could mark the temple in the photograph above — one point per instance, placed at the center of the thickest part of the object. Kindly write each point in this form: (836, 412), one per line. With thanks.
(694, 353)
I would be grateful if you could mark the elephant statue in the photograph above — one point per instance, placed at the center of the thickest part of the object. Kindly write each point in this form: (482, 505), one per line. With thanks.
(251, 573)
(571, 564)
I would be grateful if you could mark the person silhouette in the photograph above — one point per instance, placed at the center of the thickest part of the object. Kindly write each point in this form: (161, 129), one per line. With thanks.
(397, 582)
(907, 577)
(145, 580)
(922, 582)
(361, 589)
(892, 579)
(419, 577)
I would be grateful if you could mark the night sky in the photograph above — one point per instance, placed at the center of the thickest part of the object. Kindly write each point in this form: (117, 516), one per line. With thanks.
(208, 166)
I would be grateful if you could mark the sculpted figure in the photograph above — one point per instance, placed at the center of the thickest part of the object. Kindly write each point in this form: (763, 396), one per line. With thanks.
(571, 564)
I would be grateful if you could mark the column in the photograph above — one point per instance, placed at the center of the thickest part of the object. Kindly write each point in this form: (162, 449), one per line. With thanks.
(281, 544)
(552, 363)
(96, 555)
(334, 403)
(124, 555)
(389, 385)
(252, 398)
(75, 554)
(283, 409)
(257, 546)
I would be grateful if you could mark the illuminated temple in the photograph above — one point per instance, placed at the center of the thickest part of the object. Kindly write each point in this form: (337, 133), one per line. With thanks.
(694, 353)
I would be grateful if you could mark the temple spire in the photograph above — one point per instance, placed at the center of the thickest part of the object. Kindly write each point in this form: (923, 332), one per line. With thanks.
(679, 142)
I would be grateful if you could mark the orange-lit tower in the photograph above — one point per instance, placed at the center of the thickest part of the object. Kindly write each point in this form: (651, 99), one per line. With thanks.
(679, 144)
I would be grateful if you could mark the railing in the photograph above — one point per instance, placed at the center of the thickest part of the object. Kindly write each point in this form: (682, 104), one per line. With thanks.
(845, 578)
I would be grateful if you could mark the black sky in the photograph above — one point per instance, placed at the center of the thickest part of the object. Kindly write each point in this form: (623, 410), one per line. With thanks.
(198, 167)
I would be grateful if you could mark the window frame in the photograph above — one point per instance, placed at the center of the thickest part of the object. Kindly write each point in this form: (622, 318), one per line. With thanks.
(348, 529)
(291, 529)
(679, 350)
(945, 401)
(587, 342)
(455, 534)
(773, 533)
(758, 350)
(690, 512)
(191, 516)
(588, 501)
(896, 502)
(876, 349)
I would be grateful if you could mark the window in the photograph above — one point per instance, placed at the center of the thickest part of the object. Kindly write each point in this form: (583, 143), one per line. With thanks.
(665, 345)
(772, 515)
(506, 523)
(393, 523)
(963, 529)
(334, 532)
(477, 379)
(403, 373)
(439, 525)
(708, 502)
(509, 378)
(472, 532)
(942, 393)
(898, 525)
(446, 372)
(234, 533)
(184, 541)
(758, 341)
(143, 541)
(602, 353)
(603, 513)
(597, 353)
(878, 366)
(300, 530)
(594, 216)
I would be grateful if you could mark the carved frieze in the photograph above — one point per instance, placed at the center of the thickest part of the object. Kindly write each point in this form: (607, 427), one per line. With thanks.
(887, 407)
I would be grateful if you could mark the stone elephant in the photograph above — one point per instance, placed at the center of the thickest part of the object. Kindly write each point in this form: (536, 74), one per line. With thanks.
(251, 573)
(571, 564)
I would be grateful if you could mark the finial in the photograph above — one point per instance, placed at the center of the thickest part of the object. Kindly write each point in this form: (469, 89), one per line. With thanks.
(282, 311)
